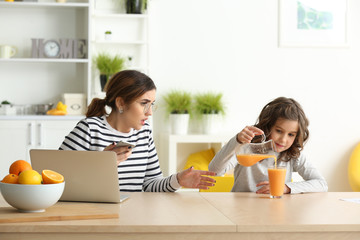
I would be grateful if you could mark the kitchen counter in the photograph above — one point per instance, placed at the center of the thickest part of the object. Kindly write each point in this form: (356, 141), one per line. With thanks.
(41, 117)
(194, 215)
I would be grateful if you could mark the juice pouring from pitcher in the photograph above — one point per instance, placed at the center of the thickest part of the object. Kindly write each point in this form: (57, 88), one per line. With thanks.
(251, 153)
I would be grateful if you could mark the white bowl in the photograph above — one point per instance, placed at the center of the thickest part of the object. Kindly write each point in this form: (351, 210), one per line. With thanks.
(31, 198)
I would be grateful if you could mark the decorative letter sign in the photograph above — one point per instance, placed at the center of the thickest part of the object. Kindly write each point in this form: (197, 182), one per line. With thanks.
(63, 48)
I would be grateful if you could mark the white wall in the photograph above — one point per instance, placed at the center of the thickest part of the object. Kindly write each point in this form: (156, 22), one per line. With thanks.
(231, 46)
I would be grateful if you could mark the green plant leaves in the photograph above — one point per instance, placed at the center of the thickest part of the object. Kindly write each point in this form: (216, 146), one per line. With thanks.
(209, 103)
(108, 64)
(178, 102)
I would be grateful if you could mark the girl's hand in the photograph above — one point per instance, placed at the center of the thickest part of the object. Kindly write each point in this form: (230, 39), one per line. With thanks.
(122, 153)
(191, 178)
(265, 189)
(248, 133)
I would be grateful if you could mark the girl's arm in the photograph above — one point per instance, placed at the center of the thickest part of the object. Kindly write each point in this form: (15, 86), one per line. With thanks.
(313, 180)
(225, 159)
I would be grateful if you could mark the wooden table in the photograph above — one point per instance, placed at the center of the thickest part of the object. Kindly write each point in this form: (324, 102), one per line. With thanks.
(300, 216)
(192, 215)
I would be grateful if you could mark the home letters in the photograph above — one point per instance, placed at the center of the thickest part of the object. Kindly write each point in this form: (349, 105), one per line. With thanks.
(69, 48)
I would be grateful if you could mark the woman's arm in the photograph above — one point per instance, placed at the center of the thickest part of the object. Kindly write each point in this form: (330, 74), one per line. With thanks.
(189, 178)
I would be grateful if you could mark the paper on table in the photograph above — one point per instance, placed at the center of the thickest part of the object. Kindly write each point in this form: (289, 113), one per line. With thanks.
(355, 200)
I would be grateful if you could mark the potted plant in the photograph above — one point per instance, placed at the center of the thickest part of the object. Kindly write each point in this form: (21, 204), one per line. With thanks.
(108, 65)
(108, 35)
(178, 107)
(136, 6)
(6, 108)
(209, 107)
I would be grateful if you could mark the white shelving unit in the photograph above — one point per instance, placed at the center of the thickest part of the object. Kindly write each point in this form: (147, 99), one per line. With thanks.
(129, 36)
(75, 19)
(22, 21)
(179, 147)
(26, 80)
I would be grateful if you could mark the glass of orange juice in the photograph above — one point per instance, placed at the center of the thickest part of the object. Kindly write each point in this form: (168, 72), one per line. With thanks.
(277, 181)
(250, 153)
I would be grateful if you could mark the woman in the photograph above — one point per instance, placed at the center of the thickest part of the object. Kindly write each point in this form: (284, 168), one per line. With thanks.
(130, 95)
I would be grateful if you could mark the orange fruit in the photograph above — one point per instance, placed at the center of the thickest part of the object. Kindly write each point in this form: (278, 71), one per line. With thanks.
(10, 178)
(30, 177)
(19, 166)
(50, 177)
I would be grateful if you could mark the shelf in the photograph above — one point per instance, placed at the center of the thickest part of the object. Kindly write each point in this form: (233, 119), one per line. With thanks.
(199, 138)
(45, 60)
(176, 148)
(119, 42)
(120, 15)
(41, 117)
(42, 4)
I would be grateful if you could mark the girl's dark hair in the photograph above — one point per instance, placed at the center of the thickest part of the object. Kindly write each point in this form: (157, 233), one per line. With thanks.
(127, 84)
(285, 108)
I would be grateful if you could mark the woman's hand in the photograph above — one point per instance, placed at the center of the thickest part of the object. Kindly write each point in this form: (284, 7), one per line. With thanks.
(265, 188)
(191, 178)
(248, 133)
(122, 153)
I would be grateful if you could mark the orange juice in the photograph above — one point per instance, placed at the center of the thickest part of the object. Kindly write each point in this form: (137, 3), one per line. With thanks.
(276, 181)
(248, 160)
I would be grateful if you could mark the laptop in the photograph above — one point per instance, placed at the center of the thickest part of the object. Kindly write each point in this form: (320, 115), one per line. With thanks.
(90, 176)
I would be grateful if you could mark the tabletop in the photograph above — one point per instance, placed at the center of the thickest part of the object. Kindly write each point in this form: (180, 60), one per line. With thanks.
(295, 212)
(194, 215)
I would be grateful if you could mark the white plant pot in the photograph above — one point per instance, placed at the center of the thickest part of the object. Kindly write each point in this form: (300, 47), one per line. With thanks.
(7, 109)
(179, 123)
(108, 37)
(211, 123)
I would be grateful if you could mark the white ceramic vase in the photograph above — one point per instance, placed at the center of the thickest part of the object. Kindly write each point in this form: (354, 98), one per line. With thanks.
(211, 123)
(179, 123)
(108, 36)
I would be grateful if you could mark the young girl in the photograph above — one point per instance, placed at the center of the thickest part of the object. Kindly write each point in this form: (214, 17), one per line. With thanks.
(130, 95)
(284, 121)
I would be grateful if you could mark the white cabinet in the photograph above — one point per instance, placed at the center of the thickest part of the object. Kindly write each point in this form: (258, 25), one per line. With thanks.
(175, 149)
(17, 137)
(14, 142)
(26, 80)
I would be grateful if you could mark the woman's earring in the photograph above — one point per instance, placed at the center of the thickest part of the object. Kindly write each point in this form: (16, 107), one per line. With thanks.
(121, 110)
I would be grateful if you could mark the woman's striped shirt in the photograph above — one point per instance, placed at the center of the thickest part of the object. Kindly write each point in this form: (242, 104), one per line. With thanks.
(141, 171)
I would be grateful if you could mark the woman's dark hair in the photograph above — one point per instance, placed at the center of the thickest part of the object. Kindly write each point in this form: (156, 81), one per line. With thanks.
(285, 108)
(127, 84)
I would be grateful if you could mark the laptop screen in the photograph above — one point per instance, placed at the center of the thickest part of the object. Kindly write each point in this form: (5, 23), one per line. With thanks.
(90, 176)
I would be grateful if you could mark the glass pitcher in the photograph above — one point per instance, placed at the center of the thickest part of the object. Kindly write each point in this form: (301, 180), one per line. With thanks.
(250, 153)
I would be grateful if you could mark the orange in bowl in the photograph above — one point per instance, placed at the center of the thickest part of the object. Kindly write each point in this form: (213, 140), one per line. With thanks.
(51, 177)
(19, 166)
(10, 178)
